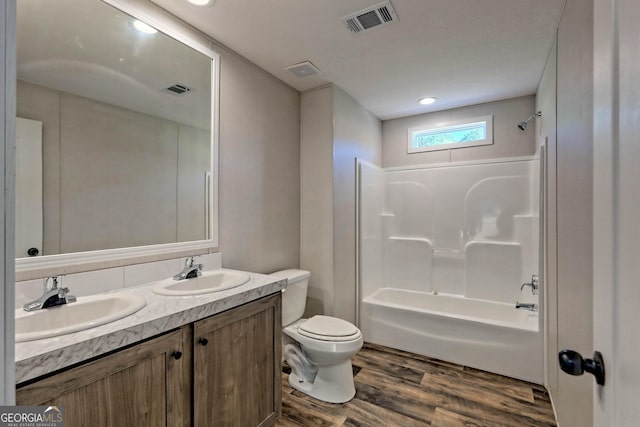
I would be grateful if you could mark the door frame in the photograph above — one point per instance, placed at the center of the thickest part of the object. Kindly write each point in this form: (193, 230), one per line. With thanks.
(616, 209)
(604, 203)
(7, 182)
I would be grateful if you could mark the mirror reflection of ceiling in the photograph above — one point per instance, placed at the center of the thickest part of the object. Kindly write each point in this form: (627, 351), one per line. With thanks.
(462, 52)
(98, 54)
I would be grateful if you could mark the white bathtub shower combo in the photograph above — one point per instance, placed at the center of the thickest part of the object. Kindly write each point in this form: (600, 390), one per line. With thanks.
(443, 253)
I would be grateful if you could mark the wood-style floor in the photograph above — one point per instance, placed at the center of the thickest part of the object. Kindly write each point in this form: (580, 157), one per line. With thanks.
(396, 388)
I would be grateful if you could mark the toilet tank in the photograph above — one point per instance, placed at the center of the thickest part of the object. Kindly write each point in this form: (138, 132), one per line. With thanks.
(294, 297)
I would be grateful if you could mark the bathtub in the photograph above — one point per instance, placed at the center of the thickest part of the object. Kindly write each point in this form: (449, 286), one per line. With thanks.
(487, 335)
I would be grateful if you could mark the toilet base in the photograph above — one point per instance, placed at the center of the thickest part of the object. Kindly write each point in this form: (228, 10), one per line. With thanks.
(333, 384)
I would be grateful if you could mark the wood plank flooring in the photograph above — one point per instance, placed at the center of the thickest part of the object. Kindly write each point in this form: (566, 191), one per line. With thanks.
(396, 388)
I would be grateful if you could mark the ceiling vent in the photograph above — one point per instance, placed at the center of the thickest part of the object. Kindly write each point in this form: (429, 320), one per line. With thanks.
(371, 17)
(303, 69)
(178, 89)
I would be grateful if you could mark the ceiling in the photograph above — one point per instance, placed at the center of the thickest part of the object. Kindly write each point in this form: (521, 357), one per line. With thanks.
(463, 52)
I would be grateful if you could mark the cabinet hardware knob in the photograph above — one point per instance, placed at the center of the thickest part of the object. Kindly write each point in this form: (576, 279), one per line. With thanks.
(203, 341)
(176, 355)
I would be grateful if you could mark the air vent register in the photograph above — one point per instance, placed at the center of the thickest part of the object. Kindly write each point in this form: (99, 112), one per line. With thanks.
(371, 17)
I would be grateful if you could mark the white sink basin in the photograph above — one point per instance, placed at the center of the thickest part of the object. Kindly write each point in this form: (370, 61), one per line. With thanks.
(87, 312)
(210, 281)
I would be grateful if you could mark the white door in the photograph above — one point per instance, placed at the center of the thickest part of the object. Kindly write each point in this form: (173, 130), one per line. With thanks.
(616, 315)
(28, 187)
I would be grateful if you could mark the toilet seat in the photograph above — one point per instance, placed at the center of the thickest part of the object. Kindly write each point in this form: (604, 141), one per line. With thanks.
(326, 328)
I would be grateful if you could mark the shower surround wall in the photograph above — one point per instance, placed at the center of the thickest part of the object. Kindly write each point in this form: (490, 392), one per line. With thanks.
(444, 250)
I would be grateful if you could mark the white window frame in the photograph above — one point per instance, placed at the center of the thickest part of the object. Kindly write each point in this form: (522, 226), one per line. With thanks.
(451, 125)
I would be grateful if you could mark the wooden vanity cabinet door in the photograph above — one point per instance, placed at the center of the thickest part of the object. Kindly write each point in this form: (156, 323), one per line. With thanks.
(237, 380)
(143, 385)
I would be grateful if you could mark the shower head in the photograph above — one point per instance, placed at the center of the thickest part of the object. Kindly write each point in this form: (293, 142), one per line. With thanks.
(523, 125)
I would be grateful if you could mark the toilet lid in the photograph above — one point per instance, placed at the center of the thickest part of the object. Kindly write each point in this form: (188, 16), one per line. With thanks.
(328, 329)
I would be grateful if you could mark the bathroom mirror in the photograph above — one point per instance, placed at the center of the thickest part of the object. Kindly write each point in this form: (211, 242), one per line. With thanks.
(116, 133)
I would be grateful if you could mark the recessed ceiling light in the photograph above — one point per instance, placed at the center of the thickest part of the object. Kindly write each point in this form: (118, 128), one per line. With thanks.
(427, 101)
(201, 2)
(144, 28)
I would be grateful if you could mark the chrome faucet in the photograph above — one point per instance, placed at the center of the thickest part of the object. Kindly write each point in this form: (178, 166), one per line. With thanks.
(191, 269)
(535, 284)
(53, 295)
(526, 306)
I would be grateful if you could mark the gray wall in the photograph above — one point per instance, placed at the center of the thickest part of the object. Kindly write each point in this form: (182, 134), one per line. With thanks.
(509, 141)
(356, 134)
(316, 198)
(566, 89)
(111, 175)
(259, 181)
(574, 204)
(335, 130)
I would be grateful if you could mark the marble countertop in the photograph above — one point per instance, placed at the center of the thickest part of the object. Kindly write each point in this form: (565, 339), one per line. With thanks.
(161, 314)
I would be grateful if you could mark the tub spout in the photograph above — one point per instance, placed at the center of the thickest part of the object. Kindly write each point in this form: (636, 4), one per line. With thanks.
(526, 306)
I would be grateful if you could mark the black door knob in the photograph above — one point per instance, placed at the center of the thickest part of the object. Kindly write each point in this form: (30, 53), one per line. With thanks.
(203, 341)
(176, 355)
(33, 251)
(572, 363)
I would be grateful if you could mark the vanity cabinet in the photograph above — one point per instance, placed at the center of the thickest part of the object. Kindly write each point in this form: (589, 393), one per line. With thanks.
(143, 385)
(236, 365)
(223, 370)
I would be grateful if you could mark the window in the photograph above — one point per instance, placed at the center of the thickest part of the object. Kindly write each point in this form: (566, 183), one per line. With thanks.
(453, 134)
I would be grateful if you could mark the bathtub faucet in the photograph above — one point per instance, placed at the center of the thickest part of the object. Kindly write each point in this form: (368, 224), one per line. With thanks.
(526, 306)
(535, 284)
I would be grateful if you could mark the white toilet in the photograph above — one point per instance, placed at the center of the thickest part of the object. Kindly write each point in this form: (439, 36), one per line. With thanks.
(318, 349)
